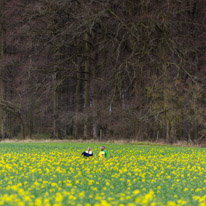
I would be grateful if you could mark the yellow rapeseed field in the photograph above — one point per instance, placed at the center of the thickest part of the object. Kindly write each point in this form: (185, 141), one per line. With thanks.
(55, 174)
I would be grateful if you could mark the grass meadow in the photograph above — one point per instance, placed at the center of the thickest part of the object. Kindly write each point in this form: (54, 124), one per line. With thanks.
(55, 174)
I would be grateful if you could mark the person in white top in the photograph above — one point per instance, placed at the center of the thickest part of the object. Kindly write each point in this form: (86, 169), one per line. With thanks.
(87, 153)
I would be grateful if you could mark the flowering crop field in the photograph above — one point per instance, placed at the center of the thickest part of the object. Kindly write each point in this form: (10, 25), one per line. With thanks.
(55, 174)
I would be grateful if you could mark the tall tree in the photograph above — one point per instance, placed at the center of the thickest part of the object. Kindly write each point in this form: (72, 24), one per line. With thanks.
(2, 87)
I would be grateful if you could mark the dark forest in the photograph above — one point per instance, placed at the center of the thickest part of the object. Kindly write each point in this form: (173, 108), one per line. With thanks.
(103, 70)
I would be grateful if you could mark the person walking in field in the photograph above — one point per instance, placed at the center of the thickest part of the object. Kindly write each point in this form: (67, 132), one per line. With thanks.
(87, 153)
(105, 152)
(101, 153)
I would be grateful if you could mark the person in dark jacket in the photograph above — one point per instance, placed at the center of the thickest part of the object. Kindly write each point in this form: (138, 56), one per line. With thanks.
(87, 153)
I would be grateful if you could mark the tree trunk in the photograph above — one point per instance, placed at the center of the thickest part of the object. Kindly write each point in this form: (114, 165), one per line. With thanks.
(76, 121)
(55, 107)
(86, 86)
(22, 127)
(95, 129)
(2, 113)
(94, 108)
(31, 124)
(100, 135)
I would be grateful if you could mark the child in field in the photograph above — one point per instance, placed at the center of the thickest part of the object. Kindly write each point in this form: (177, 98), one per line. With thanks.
(87, 153)
(101, 153)
(105, 153)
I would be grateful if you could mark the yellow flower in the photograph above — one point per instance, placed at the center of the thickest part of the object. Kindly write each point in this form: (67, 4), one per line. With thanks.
(81, 194)
(135, 192)
(171, 203)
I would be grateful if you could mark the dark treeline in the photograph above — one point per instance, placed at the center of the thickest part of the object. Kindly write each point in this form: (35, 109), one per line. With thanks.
(101, 69)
